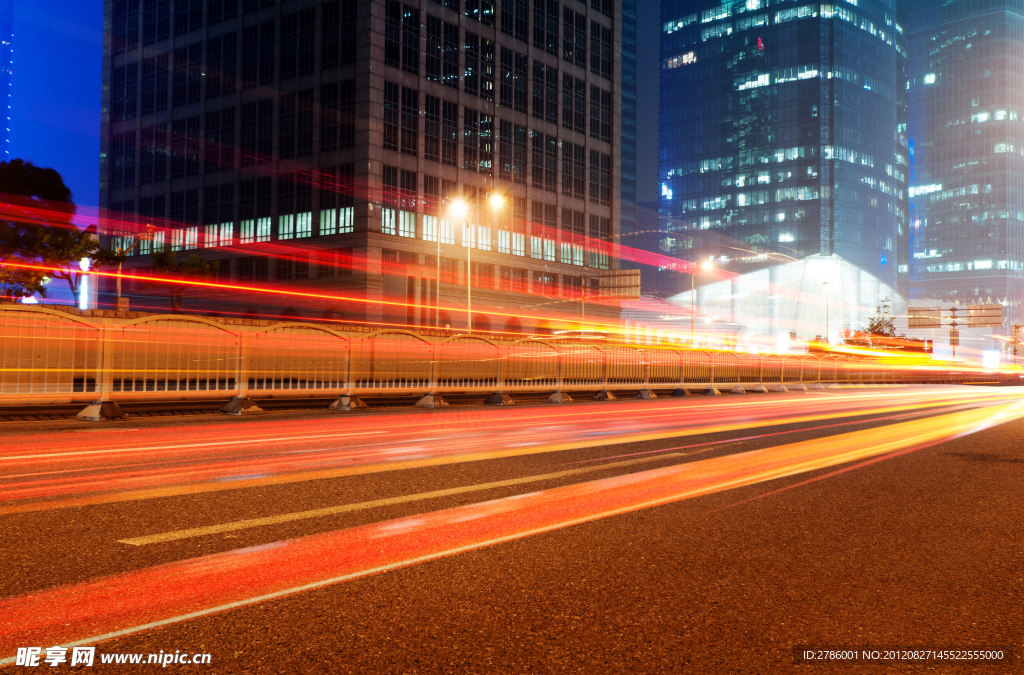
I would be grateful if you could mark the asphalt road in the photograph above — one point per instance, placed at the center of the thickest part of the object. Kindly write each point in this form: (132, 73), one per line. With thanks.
(703, 535)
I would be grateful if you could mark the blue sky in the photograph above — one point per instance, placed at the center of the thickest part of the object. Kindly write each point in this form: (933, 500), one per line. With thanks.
(55, 106)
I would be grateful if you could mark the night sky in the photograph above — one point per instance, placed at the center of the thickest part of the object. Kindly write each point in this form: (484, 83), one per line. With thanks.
(55, 116)
(55, 106)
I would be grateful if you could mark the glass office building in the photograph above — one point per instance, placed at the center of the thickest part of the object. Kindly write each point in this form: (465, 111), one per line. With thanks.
(784, 158)
(315, 144)
(967, 130)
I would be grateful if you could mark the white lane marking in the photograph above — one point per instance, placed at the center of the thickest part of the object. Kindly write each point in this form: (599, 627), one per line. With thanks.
(347, 508)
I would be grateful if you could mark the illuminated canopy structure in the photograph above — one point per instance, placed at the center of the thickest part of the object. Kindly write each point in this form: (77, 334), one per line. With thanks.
(795, 297)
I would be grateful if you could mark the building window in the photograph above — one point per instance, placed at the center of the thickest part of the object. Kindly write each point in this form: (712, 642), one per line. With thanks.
(432, 129)
(545, 92)
(337, 210)
(221, 57)
(402, 37)
(513, 279)
(295, 207)
(600, 242)
(337, 115)
(545, 161)
(335, 263)
(512, 152)
(545, 25)
(217, 215)
(600, 50)
(122, 160)
(254, 207)
(450, 64)
(487, 53)
(514, 19)
(389, 201)
(122, 92)
(572, 237)
(600, 113)
(153, 167)
(600, 177)
(220, 140)
(257, 127)
(297, 36)
(574, 103)
(543, 232)
(603, 6)
(188, 74)
(478, 142)
(152, 207)
(154, 84)
(574, 37)
(258, 55)
(513, 80)
(518, 225)
(156, 21)
(573, 170)
(435, 39)
(392, 98)
(479, 75)
(185, 147)
(472, 72)
(296, 138)
(253, 269)
(339, 34)
(481, 10)
(410, 122)
(449, 132)
(221, 10)
(185, 207)
(188, 16)
(292, 268)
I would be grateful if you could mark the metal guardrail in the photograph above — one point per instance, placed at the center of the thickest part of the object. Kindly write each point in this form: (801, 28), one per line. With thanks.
(48, 356)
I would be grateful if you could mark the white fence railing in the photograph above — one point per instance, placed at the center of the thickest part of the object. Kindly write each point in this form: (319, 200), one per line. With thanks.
(49, 356)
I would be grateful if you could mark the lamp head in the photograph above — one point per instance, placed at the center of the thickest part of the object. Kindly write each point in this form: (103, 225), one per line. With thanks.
(458, 207)
(497, 201)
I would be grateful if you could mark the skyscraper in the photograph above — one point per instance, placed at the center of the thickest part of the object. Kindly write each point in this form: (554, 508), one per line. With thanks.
(6, 70)
(318, 143)
(784, 160)
(967, 129)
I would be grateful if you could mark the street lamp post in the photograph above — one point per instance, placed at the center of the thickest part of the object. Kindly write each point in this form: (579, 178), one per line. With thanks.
(693, 293)
(460, 208)
(825, 284)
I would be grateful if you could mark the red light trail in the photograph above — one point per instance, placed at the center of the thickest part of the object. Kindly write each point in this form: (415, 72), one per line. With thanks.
(121, 604)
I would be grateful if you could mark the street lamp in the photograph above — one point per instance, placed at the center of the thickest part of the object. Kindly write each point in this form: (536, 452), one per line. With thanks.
(459, 209)
(693, 293)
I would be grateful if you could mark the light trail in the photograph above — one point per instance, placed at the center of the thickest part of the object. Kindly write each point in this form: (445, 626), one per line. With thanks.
(284, 452)
(125, 603)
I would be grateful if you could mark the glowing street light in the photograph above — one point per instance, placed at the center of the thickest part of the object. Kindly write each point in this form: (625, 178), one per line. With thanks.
(708, 264)
(459, 209)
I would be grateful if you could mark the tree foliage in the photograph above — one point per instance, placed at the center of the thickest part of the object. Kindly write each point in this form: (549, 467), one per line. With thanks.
(36, 229)
(881, 323)
(192, 268)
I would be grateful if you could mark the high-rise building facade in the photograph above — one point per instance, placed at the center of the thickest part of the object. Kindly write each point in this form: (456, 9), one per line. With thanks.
(318, 144)
(967, 130)
(784, 160)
